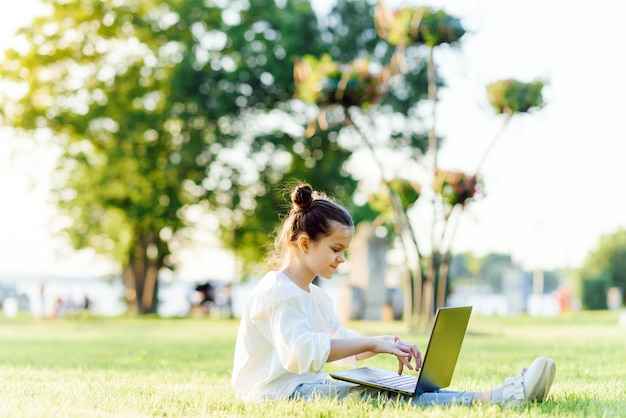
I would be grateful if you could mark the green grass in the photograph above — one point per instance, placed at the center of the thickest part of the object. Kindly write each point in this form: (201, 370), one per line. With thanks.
(147, 367)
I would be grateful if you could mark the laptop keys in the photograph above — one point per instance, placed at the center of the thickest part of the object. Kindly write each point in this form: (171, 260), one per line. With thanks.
(402, 382)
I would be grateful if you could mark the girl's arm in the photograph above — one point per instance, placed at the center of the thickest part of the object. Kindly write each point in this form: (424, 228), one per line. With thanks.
(364, 347)
(368, 354)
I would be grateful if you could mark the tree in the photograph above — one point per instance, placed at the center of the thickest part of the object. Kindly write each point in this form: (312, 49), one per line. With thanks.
(246, 227)
(492, 269)
(465, 266)
(451, 190)
(594, 292)
(321, 158)
(414, 32)
(146, 99)
(608, 261)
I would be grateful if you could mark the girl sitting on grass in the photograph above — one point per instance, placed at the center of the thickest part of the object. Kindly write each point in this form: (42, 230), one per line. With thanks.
(289, 330)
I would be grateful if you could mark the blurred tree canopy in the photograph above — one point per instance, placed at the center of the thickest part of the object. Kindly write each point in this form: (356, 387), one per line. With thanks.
(608, 262)
(468, 269)
(161, 107)
(143, 99)
(346, 33)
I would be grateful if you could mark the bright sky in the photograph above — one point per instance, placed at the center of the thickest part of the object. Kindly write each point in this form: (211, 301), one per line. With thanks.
(554, 179)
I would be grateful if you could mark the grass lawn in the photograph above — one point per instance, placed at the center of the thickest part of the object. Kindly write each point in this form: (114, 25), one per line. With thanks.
(145, 367)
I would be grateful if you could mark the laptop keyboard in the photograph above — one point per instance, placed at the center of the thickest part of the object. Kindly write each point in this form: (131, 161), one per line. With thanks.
(402, 382)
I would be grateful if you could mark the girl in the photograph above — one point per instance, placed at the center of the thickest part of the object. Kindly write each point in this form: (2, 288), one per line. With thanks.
(289, 331)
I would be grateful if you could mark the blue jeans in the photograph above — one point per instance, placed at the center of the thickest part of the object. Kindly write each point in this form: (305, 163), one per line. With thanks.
(342, 390)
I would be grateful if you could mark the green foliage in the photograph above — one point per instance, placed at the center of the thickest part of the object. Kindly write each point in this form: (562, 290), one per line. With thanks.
(326, 82)
(100, 77)
(594, 292)
(143, 99)
(466, 268)
(418, 25)
(248, 227)
(469, 269)
(437, 27)
(163, 106)
(493, 267)
(609, 260)
(346, 34)
(513, 96)
(552, 279)
(381, 202)
(455, 187)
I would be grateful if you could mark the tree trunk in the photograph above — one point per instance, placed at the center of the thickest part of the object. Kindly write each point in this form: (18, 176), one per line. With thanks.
(428, 297)
(130, 292)
(442, 286)
(407, 285)
(141, 274)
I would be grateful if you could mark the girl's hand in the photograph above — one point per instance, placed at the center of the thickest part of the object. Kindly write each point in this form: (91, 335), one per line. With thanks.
(410, 352)
(403, 350)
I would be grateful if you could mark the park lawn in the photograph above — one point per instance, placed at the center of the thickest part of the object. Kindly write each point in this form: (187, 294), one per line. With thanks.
(149, 367)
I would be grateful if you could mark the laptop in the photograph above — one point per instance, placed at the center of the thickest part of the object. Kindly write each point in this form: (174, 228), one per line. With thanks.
(438, 363)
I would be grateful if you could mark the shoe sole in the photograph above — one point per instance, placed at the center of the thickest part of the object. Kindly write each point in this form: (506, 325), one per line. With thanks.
(538, 387)
(546, 384)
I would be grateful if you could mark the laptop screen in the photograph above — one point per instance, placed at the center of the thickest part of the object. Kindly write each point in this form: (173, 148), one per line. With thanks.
(443, 348)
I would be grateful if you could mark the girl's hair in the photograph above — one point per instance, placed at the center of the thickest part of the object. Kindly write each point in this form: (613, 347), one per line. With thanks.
(312, 213)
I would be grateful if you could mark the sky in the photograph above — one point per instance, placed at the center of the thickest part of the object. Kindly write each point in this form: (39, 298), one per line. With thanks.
(553, 181)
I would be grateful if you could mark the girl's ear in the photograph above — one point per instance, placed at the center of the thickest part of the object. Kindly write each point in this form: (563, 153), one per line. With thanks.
(303, 243)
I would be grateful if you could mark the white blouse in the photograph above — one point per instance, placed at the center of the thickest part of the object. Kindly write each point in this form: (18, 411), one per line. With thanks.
(283, 339)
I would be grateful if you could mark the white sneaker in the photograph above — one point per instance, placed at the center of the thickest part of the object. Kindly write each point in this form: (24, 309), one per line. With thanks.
(529, 384)
(548, 378)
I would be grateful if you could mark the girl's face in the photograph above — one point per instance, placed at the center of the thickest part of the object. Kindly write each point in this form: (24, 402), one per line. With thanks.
(324, 256)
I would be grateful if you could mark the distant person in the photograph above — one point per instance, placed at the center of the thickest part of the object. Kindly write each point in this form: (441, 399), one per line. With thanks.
(39, 304)
(86, 306)
(224, 302)
(59, 308)
(207, 292)
(289, 331)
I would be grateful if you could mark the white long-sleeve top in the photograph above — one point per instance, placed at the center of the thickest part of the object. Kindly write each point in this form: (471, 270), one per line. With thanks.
(283, 339)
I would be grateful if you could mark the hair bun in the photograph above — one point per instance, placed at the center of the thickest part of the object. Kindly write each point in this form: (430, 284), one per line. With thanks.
(302, 197)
